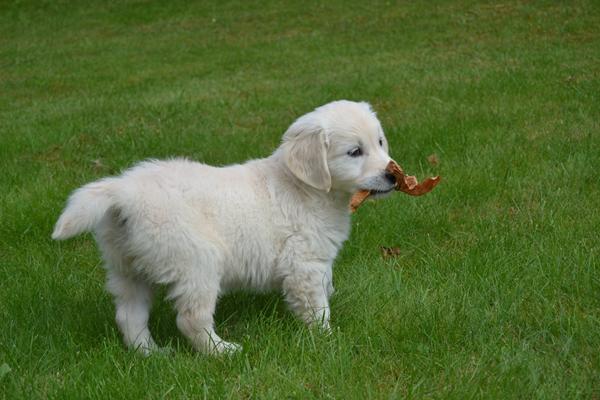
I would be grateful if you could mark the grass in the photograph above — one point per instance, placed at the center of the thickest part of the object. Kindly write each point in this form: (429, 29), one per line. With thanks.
(496, 291)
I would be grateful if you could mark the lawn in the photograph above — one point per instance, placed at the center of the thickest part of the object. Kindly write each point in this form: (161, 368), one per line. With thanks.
(495, 292)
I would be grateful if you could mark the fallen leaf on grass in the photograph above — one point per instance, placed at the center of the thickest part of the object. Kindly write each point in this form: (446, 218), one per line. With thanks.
(388, 252)
(433, 159)
(98, 165)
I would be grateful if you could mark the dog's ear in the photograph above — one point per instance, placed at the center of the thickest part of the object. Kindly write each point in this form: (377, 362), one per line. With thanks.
(305, 154)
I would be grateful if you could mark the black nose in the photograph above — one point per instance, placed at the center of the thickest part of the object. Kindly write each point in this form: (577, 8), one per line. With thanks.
(390, 177)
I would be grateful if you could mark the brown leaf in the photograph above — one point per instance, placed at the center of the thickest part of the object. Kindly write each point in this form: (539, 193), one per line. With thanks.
(98, 165)
(358, 198)
(408, 183)
(422, 188)
(433, 159)
(404, 183)
(388, 252)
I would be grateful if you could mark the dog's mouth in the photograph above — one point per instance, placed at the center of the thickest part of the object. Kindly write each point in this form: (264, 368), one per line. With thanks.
(380, 192)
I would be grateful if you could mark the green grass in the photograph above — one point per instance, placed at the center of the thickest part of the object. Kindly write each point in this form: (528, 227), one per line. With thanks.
(496, 292)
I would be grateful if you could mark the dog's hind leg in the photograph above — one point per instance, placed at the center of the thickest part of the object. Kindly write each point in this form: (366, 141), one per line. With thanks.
(133, 300)
(196, 298)
(132, 295)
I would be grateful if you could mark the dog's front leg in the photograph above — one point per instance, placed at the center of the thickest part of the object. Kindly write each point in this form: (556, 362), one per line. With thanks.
(307, 290)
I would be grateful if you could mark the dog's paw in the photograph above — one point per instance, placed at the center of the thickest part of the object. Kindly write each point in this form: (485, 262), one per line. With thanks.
(223, 347)
(229, 348)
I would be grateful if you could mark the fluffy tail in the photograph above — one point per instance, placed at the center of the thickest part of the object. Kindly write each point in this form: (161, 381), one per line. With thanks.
(85, 208)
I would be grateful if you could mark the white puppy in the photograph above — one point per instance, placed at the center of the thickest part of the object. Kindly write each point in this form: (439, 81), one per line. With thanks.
(273, 223)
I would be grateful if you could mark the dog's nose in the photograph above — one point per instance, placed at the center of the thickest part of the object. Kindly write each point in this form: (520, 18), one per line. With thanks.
(390, 177)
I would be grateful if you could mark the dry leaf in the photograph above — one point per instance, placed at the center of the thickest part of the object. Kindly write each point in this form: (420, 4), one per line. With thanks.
(409, 184)
(404, 183)
(433, 159)
(358, 198)
(98, 165)
(387, 252)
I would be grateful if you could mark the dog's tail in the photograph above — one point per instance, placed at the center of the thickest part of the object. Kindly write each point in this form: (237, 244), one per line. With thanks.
(85, 208)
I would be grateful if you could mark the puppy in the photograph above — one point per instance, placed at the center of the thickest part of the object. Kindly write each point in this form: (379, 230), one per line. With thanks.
(270, 224)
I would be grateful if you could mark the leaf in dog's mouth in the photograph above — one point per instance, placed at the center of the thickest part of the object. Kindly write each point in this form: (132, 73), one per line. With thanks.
(358, 199)
(404, 183)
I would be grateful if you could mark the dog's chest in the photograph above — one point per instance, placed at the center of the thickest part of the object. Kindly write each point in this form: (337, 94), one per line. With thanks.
(323, 235)
(262, 255)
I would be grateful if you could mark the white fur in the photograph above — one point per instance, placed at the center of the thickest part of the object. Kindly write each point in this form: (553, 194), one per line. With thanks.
(270, 224)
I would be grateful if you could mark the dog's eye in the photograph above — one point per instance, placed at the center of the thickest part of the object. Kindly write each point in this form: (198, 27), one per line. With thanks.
(381, 142)
(357, 152)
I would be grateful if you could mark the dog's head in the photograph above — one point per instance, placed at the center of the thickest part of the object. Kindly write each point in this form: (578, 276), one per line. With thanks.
(339, 146)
